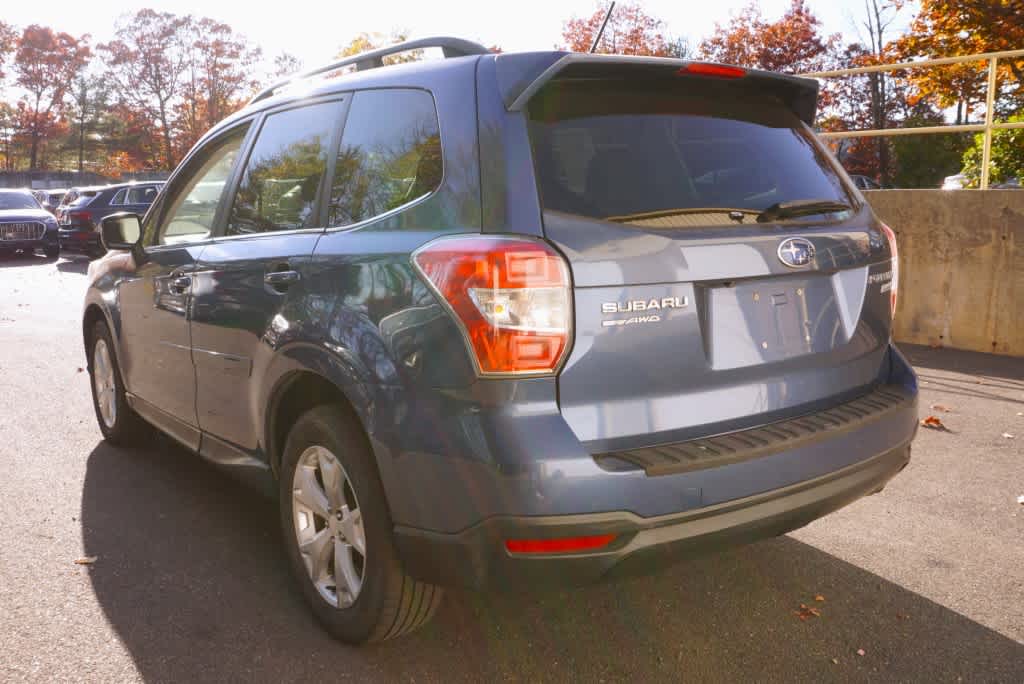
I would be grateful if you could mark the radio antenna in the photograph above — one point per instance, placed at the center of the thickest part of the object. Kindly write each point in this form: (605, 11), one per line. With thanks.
(597, 38)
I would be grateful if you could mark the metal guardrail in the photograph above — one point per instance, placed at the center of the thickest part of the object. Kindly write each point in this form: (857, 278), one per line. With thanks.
(992, 58)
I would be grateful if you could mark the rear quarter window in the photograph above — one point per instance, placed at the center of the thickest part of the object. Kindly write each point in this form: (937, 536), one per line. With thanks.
(390, 155)
(630, 152)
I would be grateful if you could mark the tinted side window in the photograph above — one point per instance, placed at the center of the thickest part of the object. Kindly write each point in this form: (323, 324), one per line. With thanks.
(192, 205)
(390, 155)
(284, 171)
(118, 198)
(143, 195)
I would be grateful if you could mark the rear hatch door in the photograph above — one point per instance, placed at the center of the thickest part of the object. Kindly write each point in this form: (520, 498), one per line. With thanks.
(725, 272)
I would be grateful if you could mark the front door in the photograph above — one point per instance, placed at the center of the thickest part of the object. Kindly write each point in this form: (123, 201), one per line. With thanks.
(250, 278)
(156, 300)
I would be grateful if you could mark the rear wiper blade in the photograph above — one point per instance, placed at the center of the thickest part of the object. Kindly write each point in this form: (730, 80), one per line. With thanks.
(784, 210)
(735, 214)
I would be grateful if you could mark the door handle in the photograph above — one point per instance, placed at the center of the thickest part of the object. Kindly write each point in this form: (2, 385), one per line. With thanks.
(181, 283)
(281, 279)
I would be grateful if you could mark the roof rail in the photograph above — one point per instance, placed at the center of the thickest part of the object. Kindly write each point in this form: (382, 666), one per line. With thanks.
(371, 59)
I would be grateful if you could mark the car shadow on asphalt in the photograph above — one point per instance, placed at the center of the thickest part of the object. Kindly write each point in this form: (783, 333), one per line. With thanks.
(971, 374)
(76, 265)
(191, 575)
(22, 259)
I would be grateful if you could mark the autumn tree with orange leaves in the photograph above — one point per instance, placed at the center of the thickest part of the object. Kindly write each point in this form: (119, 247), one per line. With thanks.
(793, 43)
(218, 77)
(630, 31)
(147, 61)
(46, 63)
(948, 28)
(8, 43)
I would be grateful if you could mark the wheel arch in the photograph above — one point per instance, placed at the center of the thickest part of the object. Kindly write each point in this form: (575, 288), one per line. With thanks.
(90, 316)
(295, 393)
(304, 376)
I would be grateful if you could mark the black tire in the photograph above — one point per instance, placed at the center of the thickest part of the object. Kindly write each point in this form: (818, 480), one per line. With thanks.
(51, 252)
(128, 428)
(390, 602)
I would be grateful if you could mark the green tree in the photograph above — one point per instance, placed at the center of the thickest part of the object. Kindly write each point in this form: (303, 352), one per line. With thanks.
(922, 161)
(1007, 159)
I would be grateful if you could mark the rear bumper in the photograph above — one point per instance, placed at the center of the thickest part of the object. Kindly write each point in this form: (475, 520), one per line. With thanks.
(477, 556)
(80, 242)
(752, 486)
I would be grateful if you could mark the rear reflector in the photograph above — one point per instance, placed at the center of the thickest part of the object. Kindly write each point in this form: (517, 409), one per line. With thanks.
(718, 70)
(559, 545)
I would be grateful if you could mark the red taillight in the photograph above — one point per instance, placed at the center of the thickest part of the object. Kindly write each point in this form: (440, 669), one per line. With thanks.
(559, 545)
(895, 282)
(82, 218)
(717, 70)
(510, 295)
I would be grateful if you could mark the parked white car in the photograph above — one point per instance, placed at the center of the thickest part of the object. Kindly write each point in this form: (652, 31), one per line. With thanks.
(957, 182)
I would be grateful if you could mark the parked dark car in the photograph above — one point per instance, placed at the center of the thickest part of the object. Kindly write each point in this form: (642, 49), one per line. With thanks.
(25, 226)
(82, 210)
(510, 321)
(50, 199)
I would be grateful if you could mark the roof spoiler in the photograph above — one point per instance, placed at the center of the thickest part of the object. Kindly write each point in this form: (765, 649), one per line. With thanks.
(522, 75)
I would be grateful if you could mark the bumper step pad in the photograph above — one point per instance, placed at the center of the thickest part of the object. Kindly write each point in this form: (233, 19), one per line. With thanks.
(735, 447)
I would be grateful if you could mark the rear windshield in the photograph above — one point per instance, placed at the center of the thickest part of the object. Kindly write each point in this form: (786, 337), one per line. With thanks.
(81, 198)
(625, 152)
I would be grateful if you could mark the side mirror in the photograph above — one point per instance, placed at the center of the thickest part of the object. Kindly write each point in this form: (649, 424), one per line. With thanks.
(120, 231)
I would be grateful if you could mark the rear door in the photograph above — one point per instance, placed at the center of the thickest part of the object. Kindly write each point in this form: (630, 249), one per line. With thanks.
(708, 295)
(249, 277)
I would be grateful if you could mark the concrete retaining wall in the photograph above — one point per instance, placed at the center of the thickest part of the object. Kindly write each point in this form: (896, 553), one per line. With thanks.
(961, 267)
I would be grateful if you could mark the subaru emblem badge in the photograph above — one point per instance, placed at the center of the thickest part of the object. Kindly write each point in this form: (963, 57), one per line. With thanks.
(796, 252)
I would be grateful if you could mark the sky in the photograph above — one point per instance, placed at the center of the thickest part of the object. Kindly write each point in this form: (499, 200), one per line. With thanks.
(314, 31)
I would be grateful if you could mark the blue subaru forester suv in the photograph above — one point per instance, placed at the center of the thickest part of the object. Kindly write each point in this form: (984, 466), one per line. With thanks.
(510, 320)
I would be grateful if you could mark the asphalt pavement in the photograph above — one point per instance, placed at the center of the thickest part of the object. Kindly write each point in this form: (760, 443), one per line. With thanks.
(922, 582)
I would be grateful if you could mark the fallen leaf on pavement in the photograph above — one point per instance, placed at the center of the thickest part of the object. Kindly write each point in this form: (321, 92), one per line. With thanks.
(819, 597)
(941, 407)
(1007, 435)
(933, 423)
(860, 651)
(806, 612)
(87, 560)
(1020, 499)
(835, 661)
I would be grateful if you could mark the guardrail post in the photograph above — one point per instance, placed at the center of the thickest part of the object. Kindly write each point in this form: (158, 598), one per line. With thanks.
(990, 104)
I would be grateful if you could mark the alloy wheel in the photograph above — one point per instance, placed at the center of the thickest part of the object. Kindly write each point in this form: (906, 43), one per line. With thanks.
(104, 383)
(329, 526)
